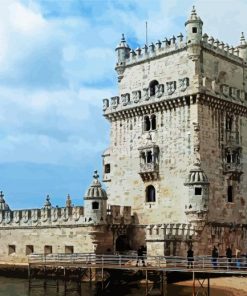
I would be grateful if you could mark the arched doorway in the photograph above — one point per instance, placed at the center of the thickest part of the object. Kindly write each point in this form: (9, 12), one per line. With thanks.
(122, 244)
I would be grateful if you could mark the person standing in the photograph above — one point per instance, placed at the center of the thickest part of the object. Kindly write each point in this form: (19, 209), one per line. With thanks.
(215, 255)
(190, 258)
(140, 256)
(229, 256)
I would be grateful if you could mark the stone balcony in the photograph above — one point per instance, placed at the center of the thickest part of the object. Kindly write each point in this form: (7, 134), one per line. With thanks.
(149, 171)
(233, 168)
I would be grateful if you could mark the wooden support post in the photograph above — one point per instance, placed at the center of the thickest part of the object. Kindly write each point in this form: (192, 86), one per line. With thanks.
(209, 284)
(90, 277)
(45, 279)
(29, 277)
(194, 285)
(102, 278)
(146, 282)
(57, 283)
(162, 283)
(65, 281)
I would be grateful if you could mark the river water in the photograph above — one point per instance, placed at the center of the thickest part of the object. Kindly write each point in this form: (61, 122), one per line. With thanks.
(19, 287)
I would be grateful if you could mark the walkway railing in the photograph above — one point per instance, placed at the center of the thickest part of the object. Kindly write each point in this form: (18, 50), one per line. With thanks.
(167, 263)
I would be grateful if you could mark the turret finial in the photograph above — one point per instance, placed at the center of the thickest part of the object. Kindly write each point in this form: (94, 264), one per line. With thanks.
(242, 39)
(96, 175)
(123, 38)
(68, 201)
(47, 202)
(1, 195)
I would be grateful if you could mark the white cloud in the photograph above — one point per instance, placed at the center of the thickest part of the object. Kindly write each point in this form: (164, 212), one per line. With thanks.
(57, 63)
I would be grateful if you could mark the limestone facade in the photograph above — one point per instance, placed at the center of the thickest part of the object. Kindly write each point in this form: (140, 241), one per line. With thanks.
(176, 168)
(177, 153)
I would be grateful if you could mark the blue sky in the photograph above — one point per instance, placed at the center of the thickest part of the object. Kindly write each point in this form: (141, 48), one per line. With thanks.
(57, 63)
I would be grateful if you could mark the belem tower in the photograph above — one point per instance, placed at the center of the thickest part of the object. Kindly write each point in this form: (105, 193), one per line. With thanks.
(176, 169)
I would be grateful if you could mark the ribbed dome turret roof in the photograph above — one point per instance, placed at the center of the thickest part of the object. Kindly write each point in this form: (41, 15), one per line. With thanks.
(122, 44)
(95, 191)
(194, 17)
(196, 175)
(3, 205)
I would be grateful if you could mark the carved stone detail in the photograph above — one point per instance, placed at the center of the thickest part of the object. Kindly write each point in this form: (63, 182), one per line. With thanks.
(183, 83)
(171, 87)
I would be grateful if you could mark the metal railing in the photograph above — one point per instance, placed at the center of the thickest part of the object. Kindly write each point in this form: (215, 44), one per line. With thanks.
(169, 263)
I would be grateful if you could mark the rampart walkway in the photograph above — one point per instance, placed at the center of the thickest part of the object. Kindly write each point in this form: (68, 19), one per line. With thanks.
(154, 269)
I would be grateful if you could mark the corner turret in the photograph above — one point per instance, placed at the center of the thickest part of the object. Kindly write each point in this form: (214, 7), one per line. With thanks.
(47, 204)
(193, 28)
(95, 202)
(3, 205)
(197, 207)
(243, 48)
(123, 53)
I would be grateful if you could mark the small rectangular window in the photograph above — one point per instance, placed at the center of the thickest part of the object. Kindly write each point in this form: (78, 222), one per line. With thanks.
(198, 191)
(107, 168)
(12, 249)
(48, 250)
(29, 249)
(69, 249)
(95, 205)
(194, 30)
(230, 194)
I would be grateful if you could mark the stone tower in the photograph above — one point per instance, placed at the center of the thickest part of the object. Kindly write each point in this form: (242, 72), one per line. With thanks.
(95, 202)
(178, 147)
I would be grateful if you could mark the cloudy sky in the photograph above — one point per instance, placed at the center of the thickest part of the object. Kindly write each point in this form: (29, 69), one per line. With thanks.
(56, 64)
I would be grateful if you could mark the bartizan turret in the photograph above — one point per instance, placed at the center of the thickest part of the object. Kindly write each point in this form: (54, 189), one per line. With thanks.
(123, 52)
(196, 207)
(193, 28)
(3, 205)
(243, 48)
(95, 203)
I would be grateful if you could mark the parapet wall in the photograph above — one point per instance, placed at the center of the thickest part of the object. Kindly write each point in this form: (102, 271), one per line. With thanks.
(59, 216)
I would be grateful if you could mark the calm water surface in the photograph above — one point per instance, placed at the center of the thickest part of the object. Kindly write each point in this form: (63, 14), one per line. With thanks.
(19, 287)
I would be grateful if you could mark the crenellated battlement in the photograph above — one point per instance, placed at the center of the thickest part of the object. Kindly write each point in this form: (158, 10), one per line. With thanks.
(172, 45)
(222, 49)
(170, 93)
(42, 217)
(166, 47)
(165, 91)
(60, 216)
(178, 231)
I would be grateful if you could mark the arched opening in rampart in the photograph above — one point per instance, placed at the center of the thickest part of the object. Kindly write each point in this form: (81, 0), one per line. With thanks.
(122, 243)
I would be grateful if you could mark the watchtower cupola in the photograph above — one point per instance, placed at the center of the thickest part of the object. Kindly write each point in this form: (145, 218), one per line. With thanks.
(95, 202)
(3, 205)
(196, 207)
(123, 53)
(243, 48)
(193, 28)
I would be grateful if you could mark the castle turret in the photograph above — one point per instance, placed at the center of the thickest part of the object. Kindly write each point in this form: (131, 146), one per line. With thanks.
(193, 28)
(123, 52)
(95, 202)
(3, 205)
(198, 191)
(243, 48)
(47, 204)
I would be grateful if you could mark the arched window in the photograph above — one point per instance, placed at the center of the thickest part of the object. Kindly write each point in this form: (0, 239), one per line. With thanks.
(152, 86)
(146, 123)
(149, 157)
(153, 122)
(229, 123)
(228, 158)
(95, 205)
(230, 193)
(150, 194)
